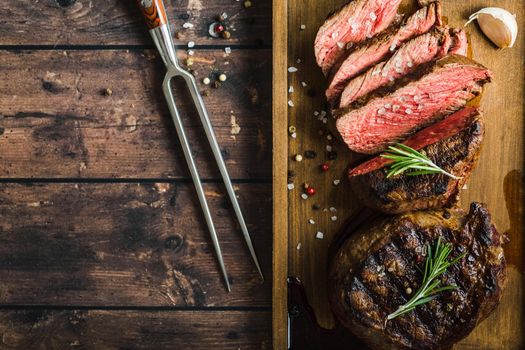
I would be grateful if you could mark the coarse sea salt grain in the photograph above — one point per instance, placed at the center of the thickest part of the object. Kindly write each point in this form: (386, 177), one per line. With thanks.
(290, 89)
(291, 186)
(340, 44)
(298, 60)
(381, 111)
(328, 148)
(303, 84)
(302, 27)
(293, 135)
(336, 182)
(333, 218)
(298, 246)
(408, 111)
(290, 103)
(187, 25)
(393, 47)
(332, 209)
(304, 196)
(373, 16)
(292, 69)
(311, 221)
(228, 50)
(191, 52)
(191, 44)
(319, 235)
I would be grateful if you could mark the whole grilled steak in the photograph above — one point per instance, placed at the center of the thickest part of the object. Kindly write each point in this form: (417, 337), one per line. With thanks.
(379, 48)
(444, 87)
(353, 23)
(453, 144)
(370, 276)
(420, 50)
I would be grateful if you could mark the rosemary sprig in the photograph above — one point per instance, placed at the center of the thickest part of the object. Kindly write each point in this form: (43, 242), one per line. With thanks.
(407, 159)
(435, 265)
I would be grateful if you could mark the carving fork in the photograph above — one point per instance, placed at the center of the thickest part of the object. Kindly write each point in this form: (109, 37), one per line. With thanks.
(157, 22)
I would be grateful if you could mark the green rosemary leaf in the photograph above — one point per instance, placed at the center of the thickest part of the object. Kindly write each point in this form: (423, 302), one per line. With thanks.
(407, 160)
(436, 264)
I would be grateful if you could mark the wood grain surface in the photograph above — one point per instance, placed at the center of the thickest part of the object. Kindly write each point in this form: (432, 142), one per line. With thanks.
(118, 329)
(103, 244)
(116, 22)
(145, 243)
(56, 119)
(497, 181)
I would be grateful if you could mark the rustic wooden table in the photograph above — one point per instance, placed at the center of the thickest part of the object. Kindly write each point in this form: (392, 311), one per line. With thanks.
(102, 242)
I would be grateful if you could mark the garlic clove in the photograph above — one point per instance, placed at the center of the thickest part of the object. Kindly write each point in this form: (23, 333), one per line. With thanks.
(498, 24)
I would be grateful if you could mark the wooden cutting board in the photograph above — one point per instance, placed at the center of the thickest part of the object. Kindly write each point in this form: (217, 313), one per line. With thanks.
(498, 179)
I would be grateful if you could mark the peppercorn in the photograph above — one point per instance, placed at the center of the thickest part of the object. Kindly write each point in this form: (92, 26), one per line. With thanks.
(247, 3)
(316, 206)
(298, 157)
(332, 155)
(219, 28)
(206, 81)
(310, 191)
(222, 77)
(226, 34)
(291, 130)
(189, 62)
(310, 154)
(325, 167)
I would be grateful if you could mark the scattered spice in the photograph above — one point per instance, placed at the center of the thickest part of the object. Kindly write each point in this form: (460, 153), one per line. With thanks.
(302, 27)
(316, 206)
(311, 221)
(222, 77)
(325, 167)
(292, 69)
(290, 103)
(189, 61)
(291, 186)
(226, 34)
(336, 182)
(191, 44)
(332, 155)
(310, 154)
(333, 218)
(304, 196)
(206, 81)
(310, 191)
(319, 235)
(299, 246)
(292, 129)
(247, 3)
(298, 158)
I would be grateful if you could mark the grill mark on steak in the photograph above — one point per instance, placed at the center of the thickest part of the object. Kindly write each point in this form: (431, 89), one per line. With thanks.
(379, 47)
(353, 23)
(480, 276)
(457, 153)
(420, 50)
(449, 84)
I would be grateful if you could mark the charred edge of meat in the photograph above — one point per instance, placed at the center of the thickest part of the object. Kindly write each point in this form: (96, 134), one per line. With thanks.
(370, 274)
(457, 154)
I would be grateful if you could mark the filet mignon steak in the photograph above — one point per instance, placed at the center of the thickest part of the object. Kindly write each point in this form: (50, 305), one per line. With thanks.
(353, 23)
(379, 48)
(446, 86)
(453, 144)
(378, 268)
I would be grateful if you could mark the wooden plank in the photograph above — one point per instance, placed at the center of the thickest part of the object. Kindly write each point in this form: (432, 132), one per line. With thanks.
(56, 121)
(280, 160)
(99, 329)
(115, 22)
(498, 180)
(129, 244)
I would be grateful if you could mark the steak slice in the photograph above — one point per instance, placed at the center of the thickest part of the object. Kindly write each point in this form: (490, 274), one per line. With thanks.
(353, 23)
(459, 43)
(423, 49)
(370, 274)
(453, 144)
(380, 47)
(444, 87)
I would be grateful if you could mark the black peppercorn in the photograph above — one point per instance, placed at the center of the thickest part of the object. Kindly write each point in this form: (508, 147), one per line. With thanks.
(332, 155)
(310, 154)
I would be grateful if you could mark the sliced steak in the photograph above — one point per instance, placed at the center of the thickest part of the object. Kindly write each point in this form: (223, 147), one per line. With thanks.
(353, 23)
(453, 144)
(370, 276)
(380, 48)
(420, 50)
(444, 87)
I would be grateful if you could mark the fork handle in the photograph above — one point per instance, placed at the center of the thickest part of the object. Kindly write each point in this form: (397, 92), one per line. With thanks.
(153, 12)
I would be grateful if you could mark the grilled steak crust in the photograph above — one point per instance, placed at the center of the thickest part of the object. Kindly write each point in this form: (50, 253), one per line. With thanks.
(445, 87)
(353, 23)
(420, 50)
(456, 153)
(380, 47)
(370, 273)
